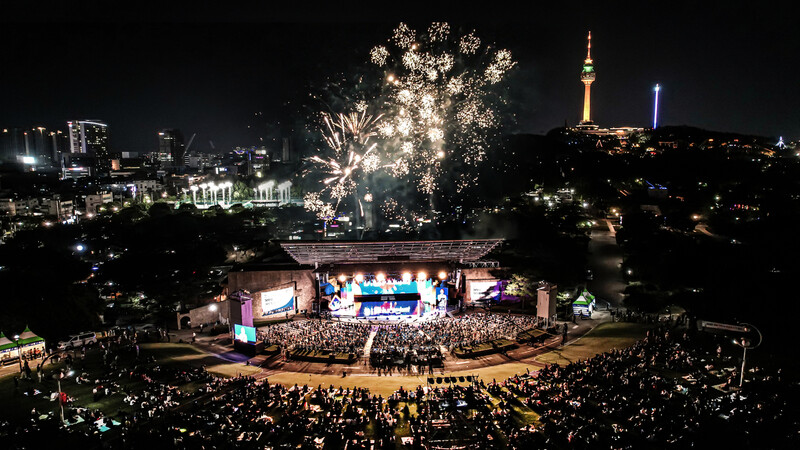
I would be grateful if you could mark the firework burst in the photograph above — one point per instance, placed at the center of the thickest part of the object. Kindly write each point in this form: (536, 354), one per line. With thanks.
(439, 114)
(349, 155)
(440, 106)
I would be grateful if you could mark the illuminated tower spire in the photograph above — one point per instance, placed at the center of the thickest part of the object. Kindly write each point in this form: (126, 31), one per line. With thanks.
(587, 77)
(655, 109)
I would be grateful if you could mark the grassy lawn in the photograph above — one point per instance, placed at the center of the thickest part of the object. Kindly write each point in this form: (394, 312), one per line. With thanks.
(265, 322)
(173, 354)
(487, 347)
(607, 336)
(532, 333)
(16, 405)
(272, 349)
(386, 385)
(321, 356)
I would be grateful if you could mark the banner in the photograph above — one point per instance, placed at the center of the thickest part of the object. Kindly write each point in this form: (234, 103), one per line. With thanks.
(484, 290)
(275, 302)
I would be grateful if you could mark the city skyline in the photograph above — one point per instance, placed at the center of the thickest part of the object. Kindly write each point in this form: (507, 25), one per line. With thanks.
(213, 78)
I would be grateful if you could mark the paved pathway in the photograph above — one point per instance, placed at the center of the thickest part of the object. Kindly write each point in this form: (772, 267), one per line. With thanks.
(368, 345)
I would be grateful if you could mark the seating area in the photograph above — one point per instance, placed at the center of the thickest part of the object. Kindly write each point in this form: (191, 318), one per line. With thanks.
(671, 389)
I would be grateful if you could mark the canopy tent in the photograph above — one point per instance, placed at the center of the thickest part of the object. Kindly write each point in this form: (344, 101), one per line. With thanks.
(28, 342)
(5, 342)
(8, 348)
(584, 305)
(29, 339)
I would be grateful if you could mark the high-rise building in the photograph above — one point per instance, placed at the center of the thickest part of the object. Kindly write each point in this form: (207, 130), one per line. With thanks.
(12, 143)
(88, 136)
(37, 145)
(59, 145)
(91, 136)
(170, 141)
(587, 77)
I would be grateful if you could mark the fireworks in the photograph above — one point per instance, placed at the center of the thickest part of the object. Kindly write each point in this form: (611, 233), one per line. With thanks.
(438, 114)
(378, 55)
(314, 203)
(439, 95)
(352, 156)
(403, 36)
(500, 65)
(469, 44)
(438, 31)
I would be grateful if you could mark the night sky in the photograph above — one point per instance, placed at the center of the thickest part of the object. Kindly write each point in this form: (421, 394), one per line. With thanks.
(723, 66)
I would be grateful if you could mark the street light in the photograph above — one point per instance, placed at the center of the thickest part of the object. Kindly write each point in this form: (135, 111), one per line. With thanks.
(745, 343)
(60, 402)
(19, 352)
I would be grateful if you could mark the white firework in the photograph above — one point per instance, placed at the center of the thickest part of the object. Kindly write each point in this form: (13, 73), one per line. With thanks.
(378, 55)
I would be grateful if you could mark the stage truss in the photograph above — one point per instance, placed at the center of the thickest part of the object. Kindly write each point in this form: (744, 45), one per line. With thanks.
(462, 251)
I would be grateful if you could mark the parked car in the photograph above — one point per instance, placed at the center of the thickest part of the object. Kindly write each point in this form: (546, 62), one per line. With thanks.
(78, 340)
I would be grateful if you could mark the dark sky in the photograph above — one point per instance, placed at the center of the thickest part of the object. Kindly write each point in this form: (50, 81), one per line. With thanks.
(725, 66)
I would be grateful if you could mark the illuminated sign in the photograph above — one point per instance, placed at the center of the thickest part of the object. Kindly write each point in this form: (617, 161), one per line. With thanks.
(388, 307)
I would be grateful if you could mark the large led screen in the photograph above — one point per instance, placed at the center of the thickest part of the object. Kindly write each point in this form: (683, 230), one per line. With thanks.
(244, 334)
(388, 308)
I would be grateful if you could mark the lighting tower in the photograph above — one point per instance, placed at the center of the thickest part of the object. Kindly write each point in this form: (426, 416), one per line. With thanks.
(655, 110)
(587, 77)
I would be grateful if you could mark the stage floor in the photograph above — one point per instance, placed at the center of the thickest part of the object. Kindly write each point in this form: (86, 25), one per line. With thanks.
(387, 319)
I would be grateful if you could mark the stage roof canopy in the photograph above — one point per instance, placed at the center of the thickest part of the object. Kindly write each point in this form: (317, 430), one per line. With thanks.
(342, 252)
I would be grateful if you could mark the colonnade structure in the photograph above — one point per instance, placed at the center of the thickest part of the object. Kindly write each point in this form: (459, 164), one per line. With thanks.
(268, 193)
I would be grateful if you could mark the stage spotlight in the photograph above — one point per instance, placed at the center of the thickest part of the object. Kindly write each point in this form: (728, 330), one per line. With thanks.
(446, 379)
(442, 275)
(469, 378)
(380, 277)
(461, 378)
(359, 278)
(431, 380)
(438, 380)
(406, 277)
(422, 276)
(342, 278)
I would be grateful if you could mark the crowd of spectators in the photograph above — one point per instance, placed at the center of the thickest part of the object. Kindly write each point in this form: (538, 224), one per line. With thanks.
(665, 391)
(420, 343)
(317, 335)
(403, 345)
(400, 343)
(669, 390)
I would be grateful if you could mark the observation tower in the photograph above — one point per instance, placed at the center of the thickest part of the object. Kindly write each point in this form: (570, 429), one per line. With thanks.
(587, 77)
